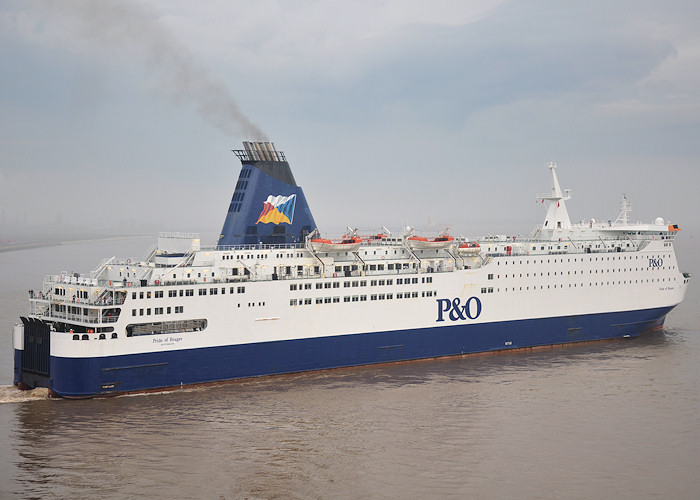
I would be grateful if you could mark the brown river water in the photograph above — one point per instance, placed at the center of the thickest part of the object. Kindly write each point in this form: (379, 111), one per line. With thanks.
(616, 419)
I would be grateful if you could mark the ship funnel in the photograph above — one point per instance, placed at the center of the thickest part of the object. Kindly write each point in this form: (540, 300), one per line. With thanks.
(267, 206)
(261, 151)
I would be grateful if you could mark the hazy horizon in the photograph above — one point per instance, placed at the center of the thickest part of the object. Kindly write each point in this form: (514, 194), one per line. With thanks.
(121, 115)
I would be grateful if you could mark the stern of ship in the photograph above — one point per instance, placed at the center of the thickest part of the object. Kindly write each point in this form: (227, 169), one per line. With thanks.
(32, 348)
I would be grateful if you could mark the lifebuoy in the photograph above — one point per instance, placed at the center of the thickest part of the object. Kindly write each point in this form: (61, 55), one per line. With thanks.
(131, 283)
(128, 261)
(157, 282)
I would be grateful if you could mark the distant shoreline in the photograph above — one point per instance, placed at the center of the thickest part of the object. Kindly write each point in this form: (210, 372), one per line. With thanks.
(40, 244)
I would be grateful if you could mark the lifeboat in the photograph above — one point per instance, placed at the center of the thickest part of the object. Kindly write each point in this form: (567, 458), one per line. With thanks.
(374, 237)
(344, 245)
(421, 243)
(469, 248)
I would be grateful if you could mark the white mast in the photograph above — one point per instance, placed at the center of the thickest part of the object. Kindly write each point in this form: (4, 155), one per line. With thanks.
(625, 210)
(557, 216)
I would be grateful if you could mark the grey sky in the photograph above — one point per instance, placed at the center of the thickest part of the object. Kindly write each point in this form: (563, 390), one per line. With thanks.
(391, 113)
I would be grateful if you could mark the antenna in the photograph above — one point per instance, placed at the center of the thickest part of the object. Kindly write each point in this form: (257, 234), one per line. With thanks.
(625, 210)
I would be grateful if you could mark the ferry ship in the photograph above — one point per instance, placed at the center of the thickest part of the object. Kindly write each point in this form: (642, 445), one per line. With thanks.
(273, 296)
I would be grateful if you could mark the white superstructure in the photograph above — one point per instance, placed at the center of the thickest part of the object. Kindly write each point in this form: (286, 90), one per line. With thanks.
(279, 293)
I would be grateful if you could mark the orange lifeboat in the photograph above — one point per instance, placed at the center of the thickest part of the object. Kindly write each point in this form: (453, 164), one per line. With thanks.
(349, 244)
(421, 243)
(469, 248)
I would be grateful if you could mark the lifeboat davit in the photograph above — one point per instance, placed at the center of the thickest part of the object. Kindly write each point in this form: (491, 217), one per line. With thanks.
(421, 243)
(469, 248)
(344, 245)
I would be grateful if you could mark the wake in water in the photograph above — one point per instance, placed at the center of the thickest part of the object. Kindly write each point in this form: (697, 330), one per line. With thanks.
(10, 394)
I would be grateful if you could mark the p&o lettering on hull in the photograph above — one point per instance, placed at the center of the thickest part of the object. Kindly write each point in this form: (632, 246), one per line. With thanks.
(456, 311)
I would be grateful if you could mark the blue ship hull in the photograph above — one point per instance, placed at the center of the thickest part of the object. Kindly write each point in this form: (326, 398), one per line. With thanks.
(101, 376)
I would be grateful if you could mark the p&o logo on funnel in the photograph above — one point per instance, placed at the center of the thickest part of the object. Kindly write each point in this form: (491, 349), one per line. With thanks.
(278, 210)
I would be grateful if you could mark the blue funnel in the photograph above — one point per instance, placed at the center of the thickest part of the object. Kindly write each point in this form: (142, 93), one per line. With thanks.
(267, 205)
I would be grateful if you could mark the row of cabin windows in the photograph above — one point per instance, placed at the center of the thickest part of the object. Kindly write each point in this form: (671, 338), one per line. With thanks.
(71, 309)
(551, 247)
(367, 252)
(581, 285)
(187, 292)
(356, 283)
(376, 267)
(362, 298)
(287, 270)
(157, 310)
(245, 256)
(590, 271)
(590, 259)
(301, 286)
(199, 275)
